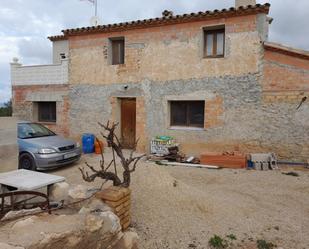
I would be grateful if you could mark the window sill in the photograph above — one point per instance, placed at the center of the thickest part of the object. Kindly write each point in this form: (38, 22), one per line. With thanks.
(186, 128)
(46, 123)
(214, 57)
(120, 64)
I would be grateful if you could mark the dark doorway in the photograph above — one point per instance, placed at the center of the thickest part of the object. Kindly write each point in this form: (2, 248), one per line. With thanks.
(128, 122)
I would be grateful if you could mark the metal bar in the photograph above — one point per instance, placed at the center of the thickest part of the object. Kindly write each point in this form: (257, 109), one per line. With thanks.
(12, 206)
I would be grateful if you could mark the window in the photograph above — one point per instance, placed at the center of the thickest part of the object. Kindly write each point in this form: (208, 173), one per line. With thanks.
(214, 42)
(187, 113)
(47, 111)
(117, 51)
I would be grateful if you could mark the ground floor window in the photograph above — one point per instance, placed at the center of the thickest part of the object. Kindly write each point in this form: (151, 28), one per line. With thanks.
(187, 113)
(47, 111)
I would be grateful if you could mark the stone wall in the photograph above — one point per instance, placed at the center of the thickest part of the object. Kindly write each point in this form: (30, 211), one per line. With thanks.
(25, 97)
(87, 223)
(285, 83)
(236, 117)
(8, 143)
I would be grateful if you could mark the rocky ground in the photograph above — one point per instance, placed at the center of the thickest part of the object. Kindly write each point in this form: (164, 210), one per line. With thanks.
(178, 207)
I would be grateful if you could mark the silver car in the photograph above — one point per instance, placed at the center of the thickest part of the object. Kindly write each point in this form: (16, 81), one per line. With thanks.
(42, 149)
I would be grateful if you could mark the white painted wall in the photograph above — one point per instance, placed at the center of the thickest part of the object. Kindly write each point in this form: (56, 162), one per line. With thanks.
(39, 75)
(60, 47)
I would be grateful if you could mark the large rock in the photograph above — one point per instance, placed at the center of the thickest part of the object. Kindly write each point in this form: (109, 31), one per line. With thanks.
(20, 213)
(6, 246)
(94, 205)
(79, 192)
(90, 224)
(59, 192)
(128, 241)
(77, 231)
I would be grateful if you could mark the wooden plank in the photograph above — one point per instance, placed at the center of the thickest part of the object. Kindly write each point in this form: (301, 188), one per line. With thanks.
(190, 165)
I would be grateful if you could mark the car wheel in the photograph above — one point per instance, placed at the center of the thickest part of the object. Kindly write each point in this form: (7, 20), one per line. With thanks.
(26, 161)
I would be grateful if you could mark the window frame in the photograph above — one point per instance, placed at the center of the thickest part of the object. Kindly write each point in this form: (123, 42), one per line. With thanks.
(213, 31)
(187, 124)
(50, 114)
(121, 59)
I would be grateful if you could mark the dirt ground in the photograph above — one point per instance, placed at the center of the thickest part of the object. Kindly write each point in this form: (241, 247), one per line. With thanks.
(179, 207)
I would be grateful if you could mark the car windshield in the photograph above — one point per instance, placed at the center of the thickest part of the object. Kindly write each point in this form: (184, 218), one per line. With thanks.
(33, 130)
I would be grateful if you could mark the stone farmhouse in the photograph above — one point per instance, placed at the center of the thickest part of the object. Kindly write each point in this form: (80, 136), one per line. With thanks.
(211, 79)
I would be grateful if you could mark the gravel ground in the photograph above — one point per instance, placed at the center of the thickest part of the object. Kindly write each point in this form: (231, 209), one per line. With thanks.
(178, 207)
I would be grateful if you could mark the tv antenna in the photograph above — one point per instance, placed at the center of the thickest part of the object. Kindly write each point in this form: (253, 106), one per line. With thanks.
(94, 21)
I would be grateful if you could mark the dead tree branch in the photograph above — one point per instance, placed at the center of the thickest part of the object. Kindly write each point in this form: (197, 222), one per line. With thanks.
(128, 164)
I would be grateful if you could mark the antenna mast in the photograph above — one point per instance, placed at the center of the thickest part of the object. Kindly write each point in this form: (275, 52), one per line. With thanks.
(95, 7)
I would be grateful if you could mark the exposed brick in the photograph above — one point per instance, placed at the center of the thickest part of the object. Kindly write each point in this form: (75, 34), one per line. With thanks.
(119, 199)
(119, 202)
(110, 195)
(23, 109)
(213, 112)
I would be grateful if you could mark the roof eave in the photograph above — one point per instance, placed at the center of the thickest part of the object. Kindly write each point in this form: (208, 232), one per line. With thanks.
(279, 48)
(154, 22)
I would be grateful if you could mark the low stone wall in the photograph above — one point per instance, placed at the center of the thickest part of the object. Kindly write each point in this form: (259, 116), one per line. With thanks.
(119, 199)
(8, 143)
(87, 223)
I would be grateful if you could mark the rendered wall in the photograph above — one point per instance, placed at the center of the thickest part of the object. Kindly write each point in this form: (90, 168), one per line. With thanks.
(8, 144)
(166, 53)
(60, 47)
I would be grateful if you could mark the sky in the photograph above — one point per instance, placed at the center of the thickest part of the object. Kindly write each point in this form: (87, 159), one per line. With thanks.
(25, 24)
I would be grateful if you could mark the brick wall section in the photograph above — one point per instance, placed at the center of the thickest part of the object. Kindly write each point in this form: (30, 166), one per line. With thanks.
(119, 199)
(286, 78)
(213, 112)
(23, 106)
(285, 83)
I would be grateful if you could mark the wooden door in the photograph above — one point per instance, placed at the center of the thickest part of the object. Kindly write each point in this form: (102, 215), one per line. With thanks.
(128, 122)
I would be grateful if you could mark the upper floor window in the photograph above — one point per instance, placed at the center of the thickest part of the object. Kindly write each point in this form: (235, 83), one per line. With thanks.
(214, 42)
(47, 111)
(187, 113)
(117, 50)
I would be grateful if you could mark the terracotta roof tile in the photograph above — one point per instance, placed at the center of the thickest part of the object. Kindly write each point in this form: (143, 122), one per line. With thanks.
(159, 21)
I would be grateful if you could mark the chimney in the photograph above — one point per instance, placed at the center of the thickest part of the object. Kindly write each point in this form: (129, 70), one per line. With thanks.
(167, 13)
(244, 3)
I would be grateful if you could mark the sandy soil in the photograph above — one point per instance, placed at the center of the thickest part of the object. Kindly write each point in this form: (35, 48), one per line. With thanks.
(178, 207)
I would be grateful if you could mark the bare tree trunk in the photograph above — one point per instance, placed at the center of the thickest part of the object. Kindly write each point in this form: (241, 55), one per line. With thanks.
(113, 141)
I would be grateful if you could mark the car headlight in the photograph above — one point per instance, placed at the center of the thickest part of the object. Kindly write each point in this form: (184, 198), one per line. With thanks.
(77, 144)
(46, 151)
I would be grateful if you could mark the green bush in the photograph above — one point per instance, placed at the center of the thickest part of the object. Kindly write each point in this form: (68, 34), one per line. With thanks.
(6, 111)
(263, 244)
(217, 242)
